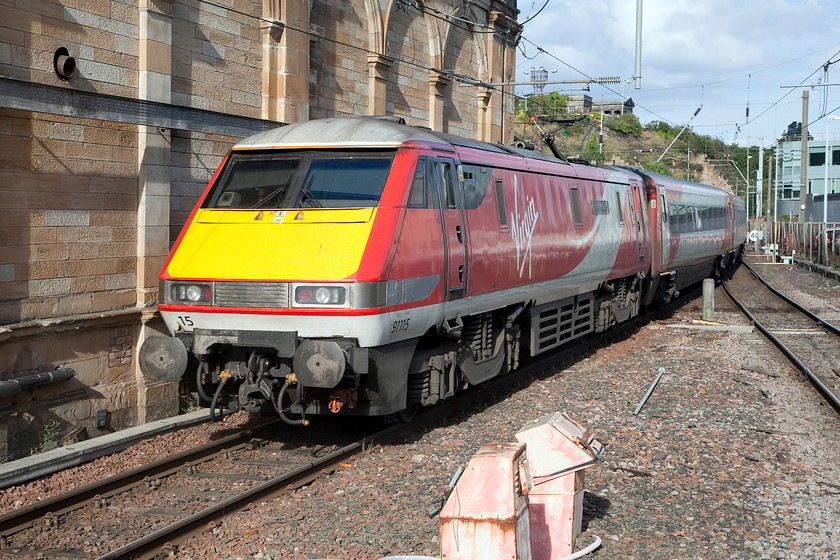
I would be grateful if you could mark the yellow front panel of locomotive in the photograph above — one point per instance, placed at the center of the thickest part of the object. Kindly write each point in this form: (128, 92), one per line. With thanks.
(273, 245)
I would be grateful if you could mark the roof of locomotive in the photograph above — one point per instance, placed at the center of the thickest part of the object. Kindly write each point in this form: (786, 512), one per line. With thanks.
(368, 132)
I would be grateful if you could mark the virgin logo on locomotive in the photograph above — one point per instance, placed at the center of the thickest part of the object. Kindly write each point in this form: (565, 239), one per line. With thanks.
(523, 228)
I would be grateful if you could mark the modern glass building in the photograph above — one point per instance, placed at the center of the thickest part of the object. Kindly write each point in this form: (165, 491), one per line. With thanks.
(787, 181)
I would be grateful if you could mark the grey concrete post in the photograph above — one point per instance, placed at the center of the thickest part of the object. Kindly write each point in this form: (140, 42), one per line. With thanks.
(708, 299)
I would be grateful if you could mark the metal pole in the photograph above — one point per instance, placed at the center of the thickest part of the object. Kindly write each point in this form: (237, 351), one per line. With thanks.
(803, 159)
(824, 236)
(759, 183)
(779, 160)
(688, 159)
(661, 371)
(827, 163)
(770, 190)
(638, 71)
(747, 179)
(678, 135)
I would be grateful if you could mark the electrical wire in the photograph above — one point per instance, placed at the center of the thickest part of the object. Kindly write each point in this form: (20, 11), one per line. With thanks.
(791, 90)
(474, 27)
(594, 80)
(522, 24)
(451, 19)
(342, 43)
(744, 75)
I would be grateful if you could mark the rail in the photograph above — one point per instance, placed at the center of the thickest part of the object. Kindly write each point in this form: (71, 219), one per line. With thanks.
(27, 516)
(794, 359)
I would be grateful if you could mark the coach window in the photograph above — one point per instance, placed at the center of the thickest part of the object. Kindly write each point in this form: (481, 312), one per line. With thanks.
(619, 209)
(682, 226)
(500, 205)
(577, 215)
(476, 184)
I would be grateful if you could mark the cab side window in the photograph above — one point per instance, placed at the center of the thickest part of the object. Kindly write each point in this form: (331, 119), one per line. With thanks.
(422, 187)
(447, 185)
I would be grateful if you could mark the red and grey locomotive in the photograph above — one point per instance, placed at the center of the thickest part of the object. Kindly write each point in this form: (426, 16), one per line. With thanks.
(362, 266)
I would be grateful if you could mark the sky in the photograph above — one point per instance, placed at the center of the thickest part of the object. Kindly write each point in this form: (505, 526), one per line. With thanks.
(722, 54)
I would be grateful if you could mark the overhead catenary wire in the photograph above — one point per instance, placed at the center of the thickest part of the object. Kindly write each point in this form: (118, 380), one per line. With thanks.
(518, 39)
(334, 41)
(581, 72)
(741, 76)
(791, 90)
(433, 12)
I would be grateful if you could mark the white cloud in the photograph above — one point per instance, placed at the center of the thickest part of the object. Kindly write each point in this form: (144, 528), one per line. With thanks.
(686, 43)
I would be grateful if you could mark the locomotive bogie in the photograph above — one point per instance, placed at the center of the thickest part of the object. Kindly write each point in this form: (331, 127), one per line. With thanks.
(358, 266)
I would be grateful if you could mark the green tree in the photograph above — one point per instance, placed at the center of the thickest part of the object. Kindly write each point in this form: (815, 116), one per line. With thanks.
(654, 166)
(794, 131)
(628, 123)
(550, 103)
(591, 150)
(553, 102)
(664, 130)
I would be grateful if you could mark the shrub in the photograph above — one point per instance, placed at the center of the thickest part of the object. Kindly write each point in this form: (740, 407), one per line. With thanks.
(628, 123)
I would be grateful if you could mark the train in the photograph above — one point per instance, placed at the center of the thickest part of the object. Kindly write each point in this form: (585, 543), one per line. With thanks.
(361, 266)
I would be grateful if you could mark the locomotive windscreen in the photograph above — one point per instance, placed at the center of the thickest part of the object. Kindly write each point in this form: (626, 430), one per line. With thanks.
(301, 179)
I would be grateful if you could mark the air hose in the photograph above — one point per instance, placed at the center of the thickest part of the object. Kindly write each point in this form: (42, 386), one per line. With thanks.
(215, 401)
(202, 368)
(302, 421)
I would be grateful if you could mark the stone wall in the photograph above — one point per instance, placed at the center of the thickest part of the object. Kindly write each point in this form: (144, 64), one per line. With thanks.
(68, 188)
(216, 58)
(92, 206)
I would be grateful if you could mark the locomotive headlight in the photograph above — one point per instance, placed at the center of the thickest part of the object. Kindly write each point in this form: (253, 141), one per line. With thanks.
(193, 293)
(324, 295)
(318, 295)
(186, 293)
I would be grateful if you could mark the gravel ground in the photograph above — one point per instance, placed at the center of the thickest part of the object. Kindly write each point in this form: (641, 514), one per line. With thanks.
(733, 456)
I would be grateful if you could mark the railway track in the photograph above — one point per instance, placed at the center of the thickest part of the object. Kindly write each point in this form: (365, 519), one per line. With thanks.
(192, 490)
(806, 339)
(116, 510)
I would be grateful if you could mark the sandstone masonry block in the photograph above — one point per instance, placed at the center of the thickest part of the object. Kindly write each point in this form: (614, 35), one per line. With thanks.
(7, 273)
(49, 287)
(66, 217)
(120, 281)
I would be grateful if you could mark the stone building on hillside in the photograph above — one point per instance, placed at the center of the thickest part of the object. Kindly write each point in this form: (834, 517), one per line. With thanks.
(114, 116)
(581, 103)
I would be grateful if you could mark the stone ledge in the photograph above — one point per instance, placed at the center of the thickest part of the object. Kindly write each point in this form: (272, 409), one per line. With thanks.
(28, 468)
(73, 322)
